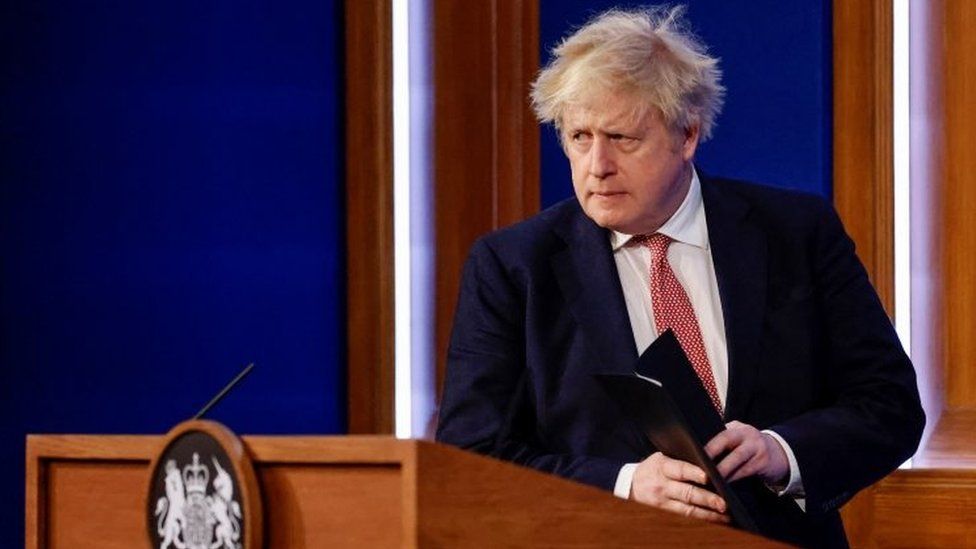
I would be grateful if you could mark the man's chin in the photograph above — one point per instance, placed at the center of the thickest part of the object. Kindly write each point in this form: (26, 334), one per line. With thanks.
(613, 220)
(613, 225)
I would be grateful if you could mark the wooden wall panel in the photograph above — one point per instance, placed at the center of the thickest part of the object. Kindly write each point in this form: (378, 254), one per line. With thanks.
(952, 442)
(369, 211)
(943, 144)
(932, 504)
(918, 509)
(485, 158)
(944, 138)
(863, 191)
(959, 198)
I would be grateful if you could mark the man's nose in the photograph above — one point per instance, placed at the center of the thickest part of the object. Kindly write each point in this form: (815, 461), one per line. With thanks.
(601, 159)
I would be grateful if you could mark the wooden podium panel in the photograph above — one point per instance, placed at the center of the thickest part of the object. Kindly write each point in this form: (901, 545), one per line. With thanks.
(356, 491)
(86, 491)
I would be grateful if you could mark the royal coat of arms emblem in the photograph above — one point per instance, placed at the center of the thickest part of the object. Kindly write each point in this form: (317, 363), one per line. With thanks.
(189, 517)
(196, 499)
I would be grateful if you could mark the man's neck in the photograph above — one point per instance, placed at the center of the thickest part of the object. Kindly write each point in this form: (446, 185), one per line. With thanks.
(674, 201)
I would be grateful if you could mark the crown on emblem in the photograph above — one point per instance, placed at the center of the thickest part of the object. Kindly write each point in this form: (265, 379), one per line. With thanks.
(196, 476)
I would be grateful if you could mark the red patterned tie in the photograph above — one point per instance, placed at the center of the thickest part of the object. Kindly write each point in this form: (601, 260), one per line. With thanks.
(672, 309)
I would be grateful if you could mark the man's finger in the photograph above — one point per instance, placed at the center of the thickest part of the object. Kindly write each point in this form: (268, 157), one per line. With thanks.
(695, 512)
(693, 495)
(750, 468)
(675, 469)
(735, 459)
(716, 445)
(726, 440)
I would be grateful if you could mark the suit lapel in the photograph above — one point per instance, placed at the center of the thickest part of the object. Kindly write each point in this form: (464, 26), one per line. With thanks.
(739, 255)
(587, 276)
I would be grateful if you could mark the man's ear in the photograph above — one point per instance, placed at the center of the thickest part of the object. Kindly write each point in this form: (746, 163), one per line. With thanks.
(690, 144)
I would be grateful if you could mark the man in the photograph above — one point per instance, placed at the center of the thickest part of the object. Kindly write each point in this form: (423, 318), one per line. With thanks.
(761, 287)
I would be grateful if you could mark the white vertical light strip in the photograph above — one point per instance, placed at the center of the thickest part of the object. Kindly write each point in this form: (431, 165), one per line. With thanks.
(401, 219)
(422, 254)
(902, 167)
(901, 85)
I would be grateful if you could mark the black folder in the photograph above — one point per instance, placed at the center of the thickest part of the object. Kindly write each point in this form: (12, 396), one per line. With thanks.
(669, 404)
(648, 403)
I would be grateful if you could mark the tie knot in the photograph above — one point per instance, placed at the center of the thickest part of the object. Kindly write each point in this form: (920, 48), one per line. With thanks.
(658, 243)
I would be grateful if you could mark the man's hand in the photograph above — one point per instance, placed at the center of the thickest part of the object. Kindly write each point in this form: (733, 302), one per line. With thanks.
(675, 486)
(750, 452)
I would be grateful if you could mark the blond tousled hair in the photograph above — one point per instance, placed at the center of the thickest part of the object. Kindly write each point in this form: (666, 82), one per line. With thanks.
(647, 53)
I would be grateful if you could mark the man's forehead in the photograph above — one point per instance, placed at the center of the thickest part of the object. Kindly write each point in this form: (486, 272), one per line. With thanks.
(613, 111)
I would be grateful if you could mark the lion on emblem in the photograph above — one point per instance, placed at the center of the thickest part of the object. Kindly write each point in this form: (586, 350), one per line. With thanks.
(170, 525)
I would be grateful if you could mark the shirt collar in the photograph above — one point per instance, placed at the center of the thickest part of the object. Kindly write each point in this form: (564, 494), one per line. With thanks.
(686, 225)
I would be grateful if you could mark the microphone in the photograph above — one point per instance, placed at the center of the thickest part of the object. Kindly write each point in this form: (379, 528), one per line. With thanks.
(223, 392)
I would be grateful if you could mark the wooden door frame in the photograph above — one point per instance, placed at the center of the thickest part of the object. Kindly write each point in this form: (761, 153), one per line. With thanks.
(369, 216)
(863, 185)
(485, 169)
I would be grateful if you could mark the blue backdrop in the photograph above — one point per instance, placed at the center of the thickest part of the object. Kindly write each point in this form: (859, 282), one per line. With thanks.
(776, 57)
(171, 209)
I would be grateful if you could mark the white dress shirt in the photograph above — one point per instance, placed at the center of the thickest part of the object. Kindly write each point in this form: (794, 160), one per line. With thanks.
(690, 258)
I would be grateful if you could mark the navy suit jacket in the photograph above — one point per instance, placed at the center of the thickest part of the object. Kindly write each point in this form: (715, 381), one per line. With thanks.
(812, 354)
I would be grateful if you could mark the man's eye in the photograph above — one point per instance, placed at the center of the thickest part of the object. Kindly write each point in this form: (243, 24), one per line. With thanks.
(580, 136)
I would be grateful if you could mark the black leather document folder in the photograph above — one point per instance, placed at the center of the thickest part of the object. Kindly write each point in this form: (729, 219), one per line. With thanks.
(670, 406)
(648, 403)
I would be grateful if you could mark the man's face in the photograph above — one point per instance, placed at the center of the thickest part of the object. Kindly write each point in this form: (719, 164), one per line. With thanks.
(630, 173)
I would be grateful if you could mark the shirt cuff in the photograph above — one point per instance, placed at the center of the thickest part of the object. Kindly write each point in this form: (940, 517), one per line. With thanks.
(625, 478)
(794, 487)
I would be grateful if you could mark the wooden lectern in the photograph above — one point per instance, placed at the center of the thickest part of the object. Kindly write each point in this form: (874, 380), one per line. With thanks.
(355, 491)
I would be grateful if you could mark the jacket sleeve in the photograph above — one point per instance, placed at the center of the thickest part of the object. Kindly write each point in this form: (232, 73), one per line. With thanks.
(487, 404)
(871, 418)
